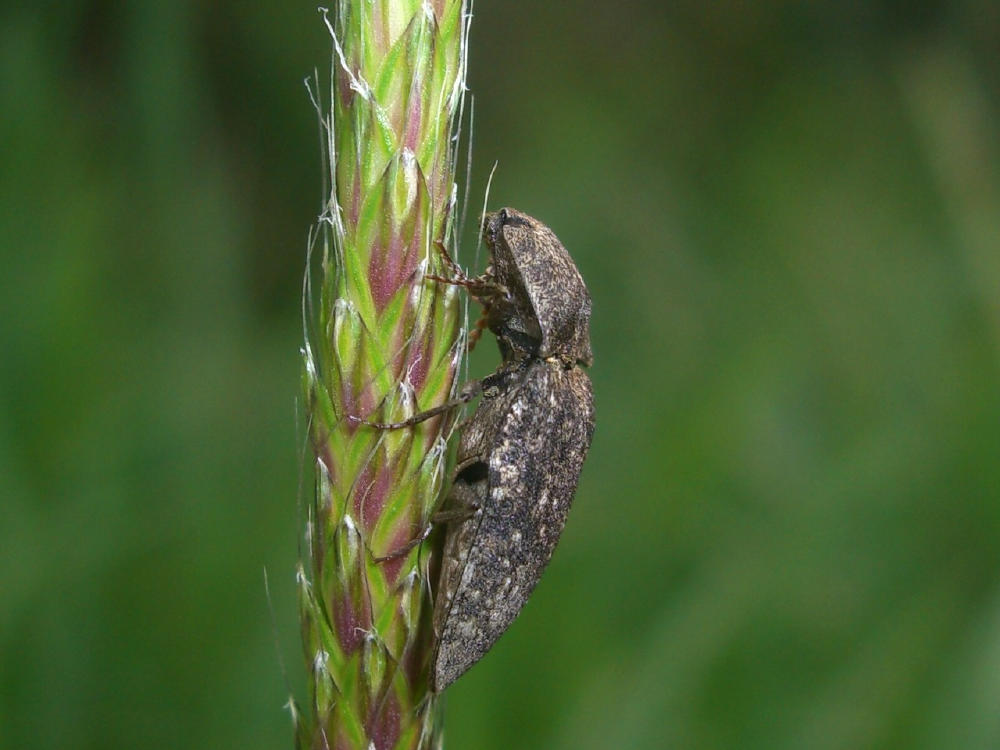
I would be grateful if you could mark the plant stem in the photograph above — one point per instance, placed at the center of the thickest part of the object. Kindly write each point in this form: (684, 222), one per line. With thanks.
(383, 344)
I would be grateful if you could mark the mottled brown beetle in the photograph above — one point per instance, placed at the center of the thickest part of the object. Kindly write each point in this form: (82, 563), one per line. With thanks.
(521, 452)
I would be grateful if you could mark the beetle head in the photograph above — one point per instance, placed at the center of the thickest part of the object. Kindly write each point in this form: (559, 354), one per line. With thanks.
(546, 302)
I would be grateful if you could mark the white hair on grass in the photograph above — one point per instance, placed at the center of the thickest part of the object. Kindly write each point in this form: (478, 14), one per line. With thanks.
(357, 83)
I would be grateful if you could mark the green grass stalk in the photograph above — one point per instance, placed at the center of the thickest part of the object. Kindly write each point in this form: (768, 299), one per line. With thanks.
(383, 343)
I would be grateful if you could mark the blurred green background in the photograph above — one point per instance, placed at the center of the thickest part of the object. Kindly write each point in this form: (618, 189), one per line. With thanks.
(787, 534)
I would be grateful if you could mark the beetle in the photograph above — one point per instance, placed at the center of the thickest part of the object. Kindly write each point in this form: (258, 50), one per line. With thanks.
(521, 452)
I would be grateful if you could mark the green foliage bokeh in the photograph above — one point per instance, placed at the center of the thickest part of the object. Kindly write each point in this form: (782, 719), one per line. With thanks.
(787, 534)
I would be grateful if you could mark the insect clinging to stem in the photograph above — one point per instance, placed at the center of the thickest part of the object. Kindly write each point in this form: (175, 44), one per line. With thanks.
(521, 452)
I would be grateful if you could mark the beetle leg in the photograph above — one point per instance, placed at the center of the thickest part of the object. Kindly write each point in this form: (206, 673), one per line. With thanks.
(469, 391)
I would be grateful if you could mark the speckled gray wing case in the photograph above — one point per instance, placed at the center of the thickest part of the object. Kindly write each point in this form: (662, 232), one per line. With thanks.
(519, 460)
